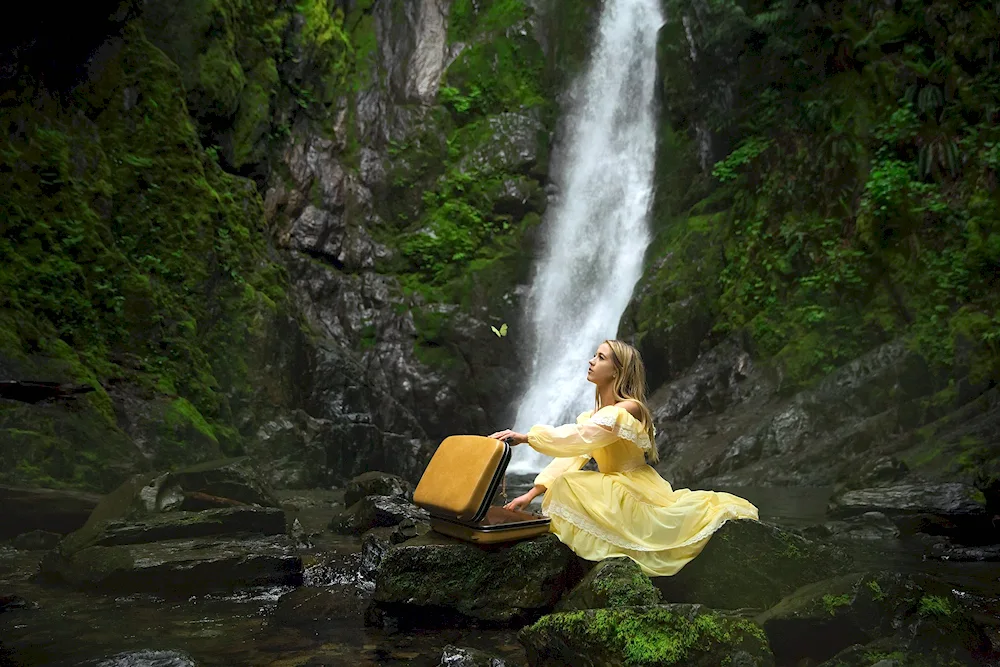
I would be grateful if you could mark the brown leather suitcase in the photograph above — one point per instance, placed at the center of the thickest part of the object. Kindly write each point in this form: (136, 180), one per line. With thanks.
(458, 487)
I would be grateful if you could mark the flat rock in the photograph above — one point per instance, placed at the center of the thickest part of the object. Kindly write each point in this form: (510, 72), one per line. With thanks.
(950, 499)
(179, 525)
(146, 658)
(36, 540)
(26, 509)
(179, 566)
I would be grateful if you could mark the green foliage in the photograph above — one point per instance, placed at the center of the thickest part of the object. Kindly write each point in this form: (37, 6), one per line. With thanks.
(128, 252)
(833, 602)
(861, 199)
(935, 605)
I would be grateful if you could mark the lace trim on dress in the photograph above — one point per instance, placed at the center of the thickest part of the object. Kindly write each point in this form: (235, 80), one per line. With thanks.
(556, 508)
(628, 432)
(729, 513)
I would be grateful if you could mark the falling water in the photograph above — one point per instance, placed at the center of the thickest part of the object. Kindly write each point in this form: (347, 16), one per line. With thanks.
(598, 230)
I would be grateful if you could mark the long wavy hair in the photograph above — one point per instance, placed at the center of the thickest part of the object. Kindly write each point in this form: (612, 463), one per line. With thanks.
(630, 385)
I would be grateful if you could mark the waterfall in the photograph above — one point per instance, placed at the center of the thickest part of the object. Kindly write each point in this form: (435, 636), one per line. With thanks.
(597, 231)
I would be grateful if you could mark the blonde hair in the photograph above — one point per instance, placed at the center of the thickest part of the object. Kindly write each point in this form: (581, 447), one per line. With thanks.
(630, 385)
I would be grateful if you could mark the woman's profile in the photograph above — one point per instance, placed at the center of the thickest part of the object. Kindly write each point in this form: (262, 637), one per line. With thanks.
(626, 509)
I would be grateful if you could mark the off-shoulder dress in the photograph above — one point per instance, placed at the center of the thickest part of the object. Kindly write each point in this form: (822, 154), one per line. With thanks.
(625, 509)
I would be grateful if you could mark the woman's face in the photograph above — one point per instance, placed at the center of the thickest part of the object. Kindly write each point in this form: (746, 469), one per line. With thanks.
(602, 366)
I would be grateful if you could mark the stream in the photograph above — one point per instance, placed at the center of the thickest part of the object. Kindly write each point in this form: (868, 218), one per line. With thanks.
(61, 626)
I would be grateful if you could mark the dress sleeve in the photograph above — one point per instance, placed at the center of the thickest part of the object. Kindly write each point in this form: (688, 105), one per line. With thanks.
(570, 440)
(560, 466)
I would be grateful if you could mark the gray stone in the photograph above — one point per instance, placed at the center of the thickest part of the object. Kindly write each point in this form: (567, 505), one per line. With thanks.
(36, 540)
(947, 500)
(376, 512)
(454, 656)
(147, 658)
(26, 509)
(375, 483)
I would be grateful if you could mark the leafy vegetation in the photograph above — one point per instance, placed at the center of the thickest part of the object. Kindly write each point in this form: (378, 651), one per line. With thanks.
(853, 169)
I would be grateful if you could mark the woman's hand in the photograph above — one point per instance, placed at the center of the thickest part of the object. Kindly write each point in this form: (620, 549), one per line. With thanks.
(515, 438)
(520, 502)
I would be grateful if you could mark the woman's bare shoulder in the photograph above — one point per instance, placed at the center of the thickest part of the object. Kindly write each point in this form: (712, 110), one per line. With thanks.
(631, 407)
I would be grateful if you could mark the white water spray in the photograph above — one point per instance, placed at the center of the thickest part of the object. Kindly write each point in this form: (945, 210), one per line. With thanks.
(598, 230)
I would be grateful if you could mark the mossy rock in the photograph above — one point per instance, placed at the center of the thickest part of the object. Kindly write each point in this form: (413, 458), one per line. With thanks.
(616, 582)
(823, 619)
(751, 564)
(662, 635)
(432, 578)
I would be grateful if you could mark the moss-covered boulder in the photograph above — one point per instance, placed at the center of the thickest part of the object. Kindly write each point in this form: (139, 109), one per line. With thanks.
(615, 582)
(750, 564)
(823, 619)
(432, 579)
(678, 634)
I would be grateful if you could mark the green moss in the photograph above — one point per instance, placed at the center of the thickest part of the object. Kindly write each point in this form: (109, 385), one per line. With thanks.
(649, 637)
(935, 605)
(833, 602)
(877, 593)
(181, 413)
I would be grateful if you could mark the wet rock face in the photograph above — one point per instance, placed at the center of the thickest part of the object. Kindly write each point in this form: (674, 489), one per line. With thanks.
(146, 658)
(748, 564)
(916, 613)
(673, 634)
(435, 579)
(454, 656)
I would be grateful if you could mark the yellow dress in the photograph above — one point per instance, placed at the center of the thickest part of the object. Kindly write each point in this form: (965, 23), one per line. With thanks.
(626, 509)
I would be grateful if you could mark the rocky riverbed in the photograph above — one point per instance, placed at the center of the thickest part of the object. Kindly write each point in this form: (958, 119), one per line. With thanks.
(192, 568)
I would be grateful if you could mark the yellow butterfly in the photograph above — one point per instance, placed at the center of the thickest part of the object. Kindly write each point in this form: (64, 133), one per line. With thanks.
(501, 332)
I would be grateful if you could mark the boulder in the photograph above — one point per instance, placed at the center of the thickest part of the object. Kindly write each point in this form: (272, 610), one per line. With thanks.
(376, 484)
(27, 509)
(751, 564)
(951, 508)
(822, 619)
(375, 512)
(454, 656)
(432, 579)
(616, 582)
(305, 607)
(661, 635)
(9, 602)
(36, 540)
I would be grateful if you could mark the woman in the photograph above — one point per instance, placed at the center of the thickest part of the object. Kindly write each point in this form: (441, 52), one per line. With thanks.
(626, 509)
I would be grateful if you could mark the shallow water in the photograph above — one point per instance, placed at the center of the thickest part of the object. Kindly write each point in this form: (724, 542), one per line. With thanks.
(73, 628)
